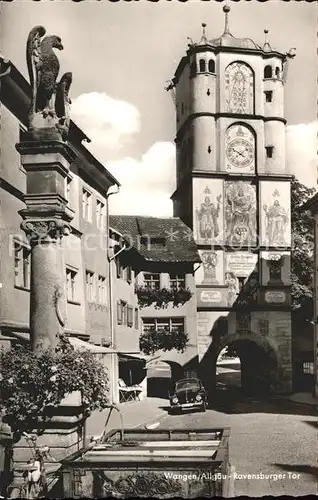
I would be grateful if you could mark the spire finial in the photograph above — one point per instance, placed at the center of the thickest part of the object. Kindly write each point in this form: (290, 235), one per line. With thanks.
(226, 10)
(266, 47)
(203, 37)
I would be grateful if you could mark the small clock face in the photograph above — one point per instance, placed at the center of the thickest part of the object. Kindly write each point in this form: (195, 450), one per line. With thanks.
(240, 153)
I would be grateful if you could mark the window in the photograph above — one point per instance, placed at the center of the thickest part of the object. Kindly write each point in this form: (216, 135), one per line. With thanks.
(68, 181)
(211, 66)
(136, 318)
(90, 286)
(100, 215)
(119, 313)
(122, 313)
(152, 281)
(268, 95)
(86, 204)
(269, 151)
(277, 72)
(308, 368)
(177, 281)
(163, 324)
(101, 291)
(152, 242)
(118, 267)
(268, 72)
(22, 260)
(202, 65)
(124, 273)
(130, 316)
(71, 277)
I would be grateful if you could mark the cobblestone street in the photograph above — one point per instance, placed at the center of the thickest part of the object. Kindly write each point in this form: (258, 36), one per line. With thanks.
(279, 439)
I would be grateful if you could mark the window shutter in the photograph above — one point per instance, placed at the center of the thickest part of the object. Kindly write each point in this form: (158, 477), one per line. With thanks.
(129, 273)
(130, 316)
(136, 319)
(119, 313)
(118, 267)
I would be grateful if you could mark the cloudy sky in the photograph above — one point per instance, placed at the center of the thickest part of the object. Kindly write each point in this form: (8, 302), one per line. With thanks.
(121, 54)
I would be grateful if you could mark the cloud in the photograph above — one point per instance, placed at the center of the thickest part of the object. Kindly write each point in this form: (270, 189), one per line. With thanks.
(108, 122)
(301, 152)
(146, 184)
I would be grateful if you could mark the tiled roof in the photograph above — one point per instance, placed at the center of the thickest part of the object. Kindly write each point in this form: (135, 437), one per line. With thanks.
(179, 243)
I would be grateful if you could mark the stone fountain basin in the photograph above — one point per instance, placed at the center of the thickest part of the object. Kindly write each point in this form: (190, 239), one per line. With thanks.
(130, 463)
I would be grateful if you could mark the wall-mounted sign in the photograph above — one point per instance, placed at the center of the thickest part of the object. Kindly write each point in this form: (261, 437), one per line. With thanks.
(241, 263)
(210, 296)
(275, 297)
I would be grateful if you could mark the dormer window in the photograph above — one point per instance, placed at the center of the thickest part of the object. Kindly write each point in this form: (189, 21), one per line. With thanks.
(211, 66)
(202, 65)
(268, 95)
(269, 151)
(152, 242)
(268, 72)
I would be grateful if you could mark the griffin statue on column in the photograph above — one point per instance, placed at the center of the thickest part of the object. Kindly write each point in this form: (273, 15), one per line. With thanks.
(49, 115)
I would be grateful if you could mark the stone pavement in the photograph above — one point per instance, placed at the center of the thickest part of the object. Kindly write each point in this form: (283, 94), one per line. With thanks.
(134, 414)
(273, 450)
(303, 398)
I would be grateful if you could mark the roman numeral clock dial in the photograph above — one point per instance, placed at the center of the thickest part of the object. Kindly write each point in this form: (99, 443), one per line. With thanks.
(240, 153)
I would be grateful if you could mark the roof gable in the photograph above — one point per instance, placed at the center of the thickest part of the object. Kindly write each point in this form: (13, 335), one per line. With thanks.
(158, 239)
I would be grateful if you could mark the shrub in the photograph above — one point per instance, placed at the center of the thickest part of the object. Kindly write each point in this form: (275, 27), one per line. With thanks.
(161, 298)
(162, 340)
(34, 382)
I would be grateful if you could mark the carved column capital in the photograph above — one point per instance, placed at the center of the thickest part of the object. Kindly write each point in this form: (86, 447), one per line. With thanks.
(45, 230)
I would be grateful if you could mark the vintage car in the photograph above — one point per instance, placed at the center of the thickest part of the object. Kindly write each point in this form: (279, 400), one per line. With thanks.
(188, 394)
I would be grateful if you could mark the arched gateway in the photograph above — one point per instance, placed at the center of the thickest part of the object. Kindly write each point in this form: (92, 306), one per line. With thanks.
(259, 362)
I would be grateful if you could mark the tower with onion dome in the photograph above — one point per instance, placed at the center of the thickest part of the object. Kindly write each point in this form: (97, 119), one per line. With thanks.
(233, 190)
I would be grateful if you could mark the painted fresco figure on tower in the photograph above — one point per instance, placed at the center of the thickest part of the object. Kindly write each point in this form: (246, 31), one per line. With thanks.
(276, 224)
(207, 217)
(240, 213)
(232, 284)
(209, 260)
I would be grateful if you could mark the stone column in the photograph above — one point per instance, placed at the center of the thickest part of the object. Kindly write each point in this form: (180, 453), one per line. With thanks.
(45, 222)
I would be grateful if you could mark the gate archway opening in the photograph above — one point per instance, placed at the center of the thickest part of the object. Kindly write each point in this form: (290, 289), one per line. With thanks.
(228, 369)
(256, 372)
(160, 375)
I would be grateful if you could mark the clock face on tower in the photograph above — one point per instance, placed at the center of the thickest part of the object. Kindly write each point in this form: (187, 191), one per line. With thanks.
(239, 149)
(240, 152)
